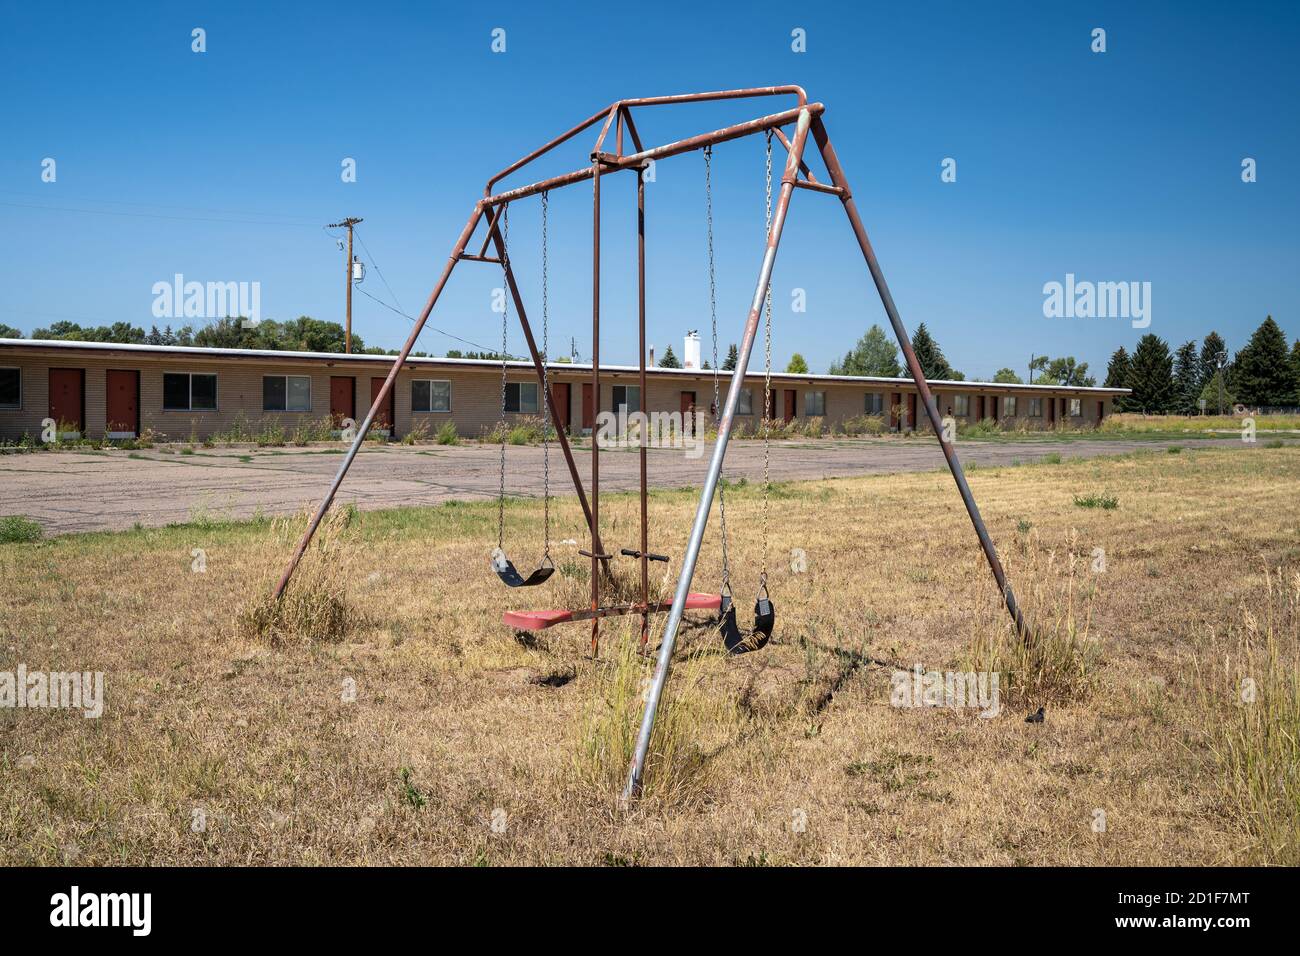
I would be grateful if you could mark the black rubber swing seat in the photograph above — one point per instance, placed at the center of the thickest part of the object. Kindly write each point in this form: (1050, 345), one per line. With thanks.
(510, 575)
(737, 641)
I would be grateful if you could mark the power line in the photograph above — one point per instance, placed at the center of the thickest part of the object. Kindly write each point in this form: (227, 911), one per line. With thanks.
(441, 332)
(375, 262)
(399, 310)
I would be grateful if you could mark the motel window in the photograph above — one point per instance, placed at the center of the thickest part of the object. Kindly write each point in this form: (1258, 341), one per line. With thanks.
(745, 402)
(961, 405)
(11, 388)
(286, 393)
(430, 395)
(1008, 405)
(875, 404)
(627, 396)
(522, 397)
(814, 404)
(189, 392)
(1076, 407)
(1035, 408)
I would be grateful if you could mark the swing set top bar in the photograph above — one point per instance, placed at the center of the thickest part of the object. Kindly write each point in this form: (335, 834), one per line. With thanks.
(618, 160)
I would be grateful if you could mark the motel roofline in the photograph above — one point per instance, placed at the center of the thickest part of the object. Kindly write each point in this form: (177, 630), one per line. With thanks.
(424, 362)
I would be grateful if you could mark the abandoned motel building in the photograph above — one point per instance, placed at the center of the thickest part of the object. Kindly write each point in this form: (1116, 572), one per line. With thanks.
(174, 393)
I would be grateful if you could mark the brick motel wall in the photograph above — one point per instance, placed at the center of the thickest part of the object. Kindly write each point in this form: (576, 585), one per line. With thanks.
(475, 394)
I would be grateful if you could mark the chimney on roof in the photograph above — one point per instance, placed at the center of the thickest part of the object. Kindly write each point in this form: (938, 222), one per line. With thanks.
(691, 356)
(651, 362)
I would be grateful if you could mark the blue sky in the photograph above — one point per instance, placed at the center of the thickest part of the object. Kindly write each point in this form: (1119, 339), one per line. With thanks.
(223, 166)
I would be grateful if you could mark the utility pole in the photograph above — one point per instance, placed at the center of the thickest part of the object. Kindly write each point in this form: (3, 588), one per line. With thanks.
(347, 272)
(1222, 358)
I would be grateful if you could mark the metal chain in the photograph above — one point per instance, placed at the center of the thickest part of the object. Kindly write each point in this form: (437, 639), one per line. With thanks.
(713, 319)
(505, 310)
(546, 393)
(767, 378)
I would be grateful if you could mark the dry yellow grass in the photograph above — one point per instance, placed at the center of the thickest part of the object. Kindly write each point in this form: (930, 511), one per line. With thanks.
(464, 745)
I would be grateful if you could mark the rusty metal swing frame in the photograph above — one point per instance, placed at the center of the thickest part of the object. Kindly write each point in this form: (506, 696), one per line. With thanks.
(807, 120)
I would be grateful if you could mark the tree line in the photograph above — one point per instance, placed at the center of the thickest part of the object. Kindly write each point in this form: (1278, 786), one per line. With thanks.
(876, 354)
(303, 334)
(1263, 373)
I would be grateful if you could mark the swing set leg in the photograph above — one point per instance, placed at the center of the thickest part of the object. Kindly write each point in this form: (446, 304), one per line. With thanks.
(633, 787)
(918, 376)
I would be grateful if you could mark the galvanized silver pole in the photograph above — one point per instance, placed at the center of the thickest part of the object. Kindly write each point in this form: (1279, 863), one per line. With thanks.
(669, 641)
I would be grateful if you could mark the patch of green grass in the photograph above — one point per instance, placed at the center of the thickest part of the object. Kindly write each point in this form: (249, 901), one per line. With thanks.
(17, 528)
(411, 794)
(1052, 458)
(1174, 450)
(1105, 502)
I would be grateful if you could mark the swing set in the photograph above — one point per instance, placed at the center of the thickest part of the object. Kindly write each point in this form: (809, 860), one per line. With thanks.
(493, 210)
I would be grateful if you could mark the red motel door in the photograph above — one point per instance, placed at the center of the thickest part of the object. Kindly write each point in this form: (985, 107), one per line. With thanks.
(67, 398)
(560, 394)
(343, 398)
(122, 401)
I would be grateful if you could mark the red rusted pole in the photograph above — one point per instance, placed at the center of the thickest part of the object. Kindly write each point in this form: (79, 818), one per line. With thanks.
(538, 359)
(380, 399)
(918, 376)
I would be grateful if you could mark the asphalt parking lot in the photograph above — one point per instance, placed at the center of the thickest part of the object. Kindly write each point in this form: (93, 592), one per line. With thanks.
(73, 491)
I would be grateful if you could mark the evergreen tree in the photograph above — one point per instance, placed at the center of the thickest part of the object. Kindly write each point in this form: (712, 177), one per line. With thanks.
(1187, 379)
(1262, 373)
(1151, 376)
(875, 354)
(1217, 401)
(670, 360)
(1295, 368)
(9, 332)
(733, 358)
(1212, 348)
(1117, 375)
(933, 364)
(1007, 376)
(797, 365)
